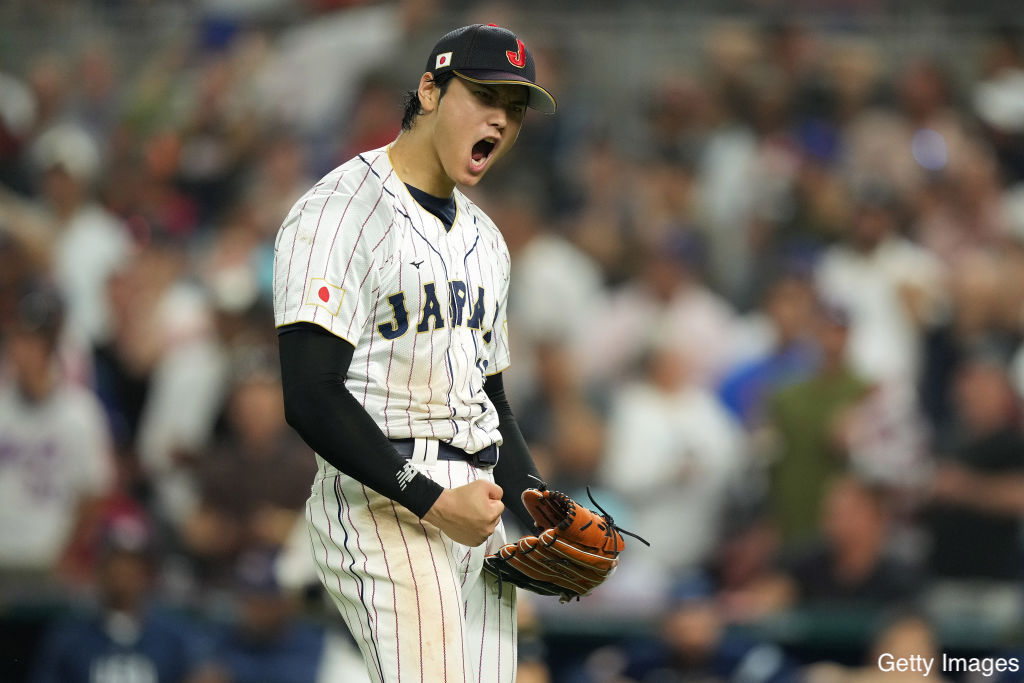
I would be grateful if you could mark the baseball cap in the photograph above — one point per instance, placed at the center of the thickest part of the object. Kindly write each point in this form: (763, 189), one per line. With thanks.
(489, 54)
(70, 147)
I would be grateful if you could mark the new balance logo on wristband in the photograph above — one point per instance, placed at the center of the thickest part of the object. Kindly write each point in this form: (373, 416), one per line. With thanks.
(405, 475)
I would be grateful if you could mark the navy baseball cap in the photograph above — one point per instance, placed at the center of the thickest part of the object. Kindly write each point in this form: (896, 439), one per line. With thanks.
(489, 54)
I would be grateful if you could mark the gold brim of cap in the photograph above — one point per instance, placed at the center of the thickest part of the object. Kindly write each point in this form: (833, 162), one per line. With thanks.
(549, 105)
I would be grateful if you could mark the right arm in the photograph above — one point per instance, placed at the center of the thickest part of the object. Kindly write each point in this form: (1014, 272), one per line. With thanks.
(314, 364)
(993, 494)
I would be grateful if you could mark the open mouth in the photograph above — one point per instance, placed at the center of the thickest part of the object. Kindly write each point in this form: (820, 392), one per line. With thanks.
(482, 151)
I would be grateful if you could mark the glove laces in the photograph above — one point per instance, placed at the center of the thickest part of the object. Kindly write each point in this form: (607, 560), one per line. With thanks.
(612, 526)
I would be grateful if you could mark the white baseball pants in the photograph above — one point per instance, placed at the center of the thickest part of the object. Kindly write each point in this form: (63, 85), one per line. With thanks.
(417, 603)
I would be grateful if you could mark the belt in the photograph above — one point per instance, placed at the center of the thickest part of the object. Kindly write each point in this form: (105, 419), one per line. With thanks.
(429, 450)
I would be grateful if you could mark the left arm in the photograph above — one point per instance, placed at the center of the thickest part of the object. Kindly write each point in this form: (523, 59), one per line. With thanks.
(515, 465)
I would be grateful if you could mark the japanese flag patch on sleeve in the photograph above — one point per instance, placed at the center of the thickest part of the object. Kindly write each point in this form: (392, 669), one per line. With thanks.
(325, 295)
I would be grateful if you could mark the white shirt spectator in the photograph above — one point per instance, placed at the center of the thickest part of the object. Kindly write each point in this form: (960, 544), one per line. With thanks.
(555, 289)
(90, 247)
(672, 456)
(91, 242)
(53, 455)
(873, 288)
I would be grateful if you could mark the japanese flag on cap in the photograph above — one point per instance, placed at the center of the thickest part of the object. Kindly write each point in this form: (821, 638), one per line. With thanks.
(486, 53)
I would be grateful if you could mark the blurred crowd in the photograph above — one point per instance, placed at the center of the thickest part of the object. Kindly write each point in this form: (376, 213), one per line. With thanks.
(772, 322)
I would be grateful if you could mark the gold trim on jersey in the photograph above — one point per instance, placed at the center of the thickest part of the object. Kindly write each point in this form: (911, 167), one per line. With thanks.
(318, 324)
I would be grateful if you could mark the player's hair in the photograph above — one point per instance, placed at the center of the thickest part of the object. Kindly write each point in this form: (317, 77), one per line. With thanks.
(412, 105)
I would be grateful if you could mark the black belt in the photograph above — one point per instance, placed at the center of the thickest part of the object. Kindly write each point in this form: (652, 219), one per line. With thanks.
(485, 457)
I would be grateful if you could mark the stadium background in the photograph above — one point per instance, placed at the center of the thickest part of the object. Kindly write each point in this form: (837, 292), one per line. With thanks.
(738, 203)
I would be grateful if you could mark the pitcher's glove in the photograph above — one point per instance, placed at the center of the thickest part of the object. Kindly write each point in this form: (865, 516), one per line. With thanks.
(573, 552)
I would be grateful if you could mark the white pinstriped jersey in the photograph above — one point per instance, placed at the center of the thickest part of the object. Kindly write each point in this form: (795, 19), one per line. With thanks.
(425, 308)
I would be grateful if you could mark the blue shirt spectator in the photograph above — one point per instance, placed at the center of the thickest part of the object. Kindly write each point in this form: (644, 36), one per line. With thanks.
(114, 647)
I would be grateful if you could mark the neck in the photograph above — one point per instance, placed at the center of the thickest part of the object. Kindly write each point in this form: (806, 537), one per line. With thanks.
(65, 210)
(37, 386)
(417, 164)
(856, 561)
(832, 365)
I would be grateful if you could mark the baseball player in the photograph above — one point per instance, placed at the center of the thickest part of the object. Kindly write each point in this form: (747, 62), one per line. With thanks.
(390, 298)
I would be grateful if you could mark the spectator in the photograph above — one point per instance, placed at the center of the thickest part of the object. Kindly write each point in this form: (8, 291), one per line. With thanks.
(124, 637)
(695, 643)
(47, 75)
(602, 202)
(996, 98)
(56, 465)
(889, 286)
(745, 568)
(90, 242)
(900, 635)
(161, 374)
(252, 481)
(556, 288)
(692, 455)
(849, 565)
(787, 313)
(960, 211)
(561, 421)
(17, 118)
(806, 426)
(975, 557)
(268, 642)
(93, 101)
(972, 321)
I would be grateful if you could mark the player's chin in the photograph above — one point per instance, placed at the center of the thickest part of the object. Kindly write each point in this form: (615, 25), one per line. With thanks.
(471, 180)
(472, 175)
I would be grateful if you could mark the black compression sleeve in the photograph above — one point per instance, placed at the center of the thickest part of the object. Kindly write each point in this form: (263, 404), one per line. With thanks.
(314, 364)
(515, 465)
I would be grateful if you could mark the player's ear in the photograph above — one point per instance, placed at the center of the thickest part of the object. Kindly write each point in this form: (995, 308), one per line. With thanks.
(428, 92)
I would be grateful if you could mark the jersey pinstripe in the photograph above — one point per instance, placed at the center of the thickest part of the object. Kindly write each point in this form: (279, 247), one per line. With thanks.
(416, 602)
(425, 308)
